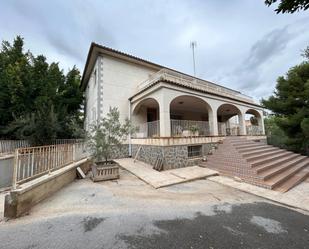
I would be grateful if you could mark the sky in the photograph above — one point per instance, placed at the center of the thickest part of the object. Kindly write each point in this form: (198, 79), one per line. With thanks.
(241, 44)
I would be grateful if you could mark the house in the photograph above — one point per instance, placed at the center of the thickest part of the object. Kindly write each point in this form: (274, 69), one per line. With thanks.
(180, 117)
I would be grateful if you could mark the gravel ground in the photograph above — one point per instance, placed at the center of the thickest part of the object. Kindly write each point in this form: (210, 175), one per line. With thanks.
(130, 214)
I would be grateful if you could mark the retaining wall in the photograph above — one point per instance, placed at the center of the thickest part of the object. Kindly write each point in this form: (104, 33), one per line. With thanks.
(21, 200)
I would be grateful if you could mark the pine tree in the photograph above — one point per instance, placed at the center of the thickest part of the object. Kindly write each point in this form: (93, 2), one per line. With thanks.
(290, 104)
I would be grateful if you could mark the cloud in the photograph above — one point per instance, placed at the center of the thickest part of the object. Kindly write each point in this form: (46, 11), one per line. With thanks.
(243, 45)
(256, 74)
(270, 45)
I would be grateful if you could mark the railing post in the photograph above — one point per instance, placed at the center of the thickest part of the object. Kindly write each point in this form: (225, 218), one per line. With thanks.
(14, 180)
(74, 151)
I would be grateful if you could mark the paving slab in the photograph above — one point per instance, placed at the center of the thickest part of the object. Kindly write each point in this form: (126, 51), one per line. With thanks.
(297, 197)
(166, 178)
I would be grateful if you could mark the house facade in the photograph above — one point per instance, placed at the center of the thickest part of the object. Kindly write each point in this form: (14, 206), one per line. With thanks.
(179, 117)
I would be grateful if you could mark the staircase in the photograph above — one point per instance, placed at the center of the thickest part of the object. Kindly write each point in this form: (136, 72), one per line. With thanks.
(259, 164)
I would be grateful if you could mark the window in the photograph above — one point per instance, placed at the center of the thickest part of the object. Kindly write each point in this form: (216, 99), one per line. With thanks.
(195, 151)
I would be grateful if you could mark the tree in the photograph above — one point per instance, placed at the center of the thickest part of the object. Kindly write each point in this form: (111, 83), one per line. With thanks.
(30, 88)
(108, 135)
(275, 135)
(305, 53)
(254, 120)
(290, 105)
(289, 6)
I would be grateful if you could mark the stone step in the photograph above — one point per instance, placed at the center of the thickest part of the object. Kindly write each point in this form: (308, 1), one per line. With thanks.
(293, 181)
(259, 151)
(270, 158)
(259, 147)
(249, 146)
(284, 176)
(265, 155)
(281, 168)
(275, 163)
(243, 143)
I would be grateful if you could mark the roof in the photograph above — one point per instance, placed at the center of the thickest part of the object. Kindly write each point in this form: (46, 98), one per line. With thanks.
(96, 49)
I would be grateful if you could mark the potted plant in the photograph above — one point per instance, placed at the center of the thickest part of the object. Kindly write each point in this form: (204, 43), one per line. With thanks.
(103, 139)
(194, 130)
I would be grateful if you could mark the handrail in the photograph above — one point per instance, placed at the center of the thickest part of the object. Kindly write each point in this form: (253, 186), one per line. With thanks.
(32, 162)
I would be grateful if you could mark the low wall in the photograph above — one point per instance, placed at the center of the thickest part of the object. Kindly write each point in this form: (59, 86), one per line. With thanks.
(21, 200)
(174, 156)
(6, 171)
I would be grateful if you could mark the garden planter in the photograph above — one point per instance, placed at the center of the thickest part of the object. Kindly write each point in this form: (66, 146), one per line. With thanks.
(102, 171)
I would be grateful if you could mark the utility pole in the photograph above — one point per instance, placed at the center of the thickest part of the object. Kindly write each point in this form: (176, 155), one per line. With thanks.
(193, 45)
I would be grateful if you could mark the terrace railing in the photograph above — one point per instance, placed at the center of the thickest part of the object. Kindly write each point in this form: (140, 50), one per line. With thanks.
(192, 82)
(224, 130)
(254, 130)
(8, 146)
(149, 129)
(32, 162)
(189, 128)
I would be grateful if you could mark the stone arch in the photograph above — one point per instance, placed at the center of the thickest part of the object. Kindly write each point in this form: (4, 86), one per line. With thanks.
(254, 126)
(146, 116)
(187, 111)
(229, 118)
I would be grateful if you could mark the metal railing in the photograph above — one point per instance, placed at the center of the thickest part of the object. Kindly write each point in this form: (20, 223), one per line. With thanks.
(185, 80)
(189, 128)
(8, 146)
(254, 130)
(149, 129)
(232, 130)
(32, 162)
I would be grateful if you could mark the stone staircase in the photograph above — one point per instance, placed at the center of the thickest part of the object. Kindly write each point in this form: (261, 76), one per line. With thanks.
(259, 164)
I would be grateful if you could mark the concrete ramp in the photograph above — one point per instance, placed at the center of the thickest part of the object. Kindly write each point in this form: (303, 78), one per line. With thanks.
(166, 178)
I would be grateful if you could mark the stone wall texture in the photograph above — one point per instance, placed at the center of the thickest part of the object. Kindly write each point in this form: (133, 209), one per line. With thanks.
(174, 156)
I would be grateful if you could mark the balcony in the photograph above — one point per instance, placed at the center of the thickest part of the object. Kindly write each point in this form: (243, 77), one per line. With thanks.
(193, 128)
(192, 82)
(148, 130)
(187, 128)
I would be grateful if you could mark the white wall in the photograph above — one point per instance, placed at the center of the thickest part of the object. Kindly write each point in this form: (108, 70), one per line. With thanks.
(91, 95)
(120, 80)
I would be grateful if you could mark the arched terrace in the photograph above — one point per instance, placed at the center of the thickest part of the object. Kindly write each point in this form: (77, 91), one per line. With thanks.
(254, 122)
(190, 116)
(229, 117)
(146, 118)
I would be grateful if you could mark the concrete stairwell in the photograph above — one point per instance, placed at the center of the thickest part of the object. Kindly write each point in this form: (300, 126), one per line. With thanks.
(259, 164)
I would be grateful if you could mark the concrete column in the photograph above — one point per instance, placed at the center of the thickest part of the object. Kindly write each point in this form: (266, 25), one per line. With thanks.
(242, 124)
(213, 123)
(261, 123)
(165, 124)
(165, 119)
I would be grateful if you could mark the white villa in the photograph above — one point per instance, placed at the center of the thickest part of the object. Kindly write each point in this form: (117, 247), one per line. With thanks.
(178, 115)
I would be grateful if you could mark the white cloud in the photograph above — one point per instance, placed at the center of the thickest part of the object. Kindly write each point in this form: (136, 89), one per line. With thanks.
(241, 44)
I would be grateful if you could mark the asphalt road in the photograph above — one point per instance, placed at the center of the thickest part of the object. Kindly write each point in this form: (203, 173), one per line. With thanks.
(129, 214)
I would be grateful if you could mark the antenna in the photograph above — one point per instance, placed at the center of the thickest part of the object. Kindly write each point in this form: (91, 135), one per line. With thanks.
(193, 45)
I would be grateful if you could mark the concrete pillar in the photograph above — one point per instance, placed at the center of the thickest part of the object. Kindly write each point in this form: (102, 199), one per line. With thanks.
(165, 120)
(242, 124)
(213, 123)
(165, 124)
(261, 123)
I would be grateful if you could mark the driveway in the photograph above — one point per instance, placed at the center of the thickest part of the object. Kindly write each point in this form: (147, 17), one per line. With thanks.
(131, 214)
